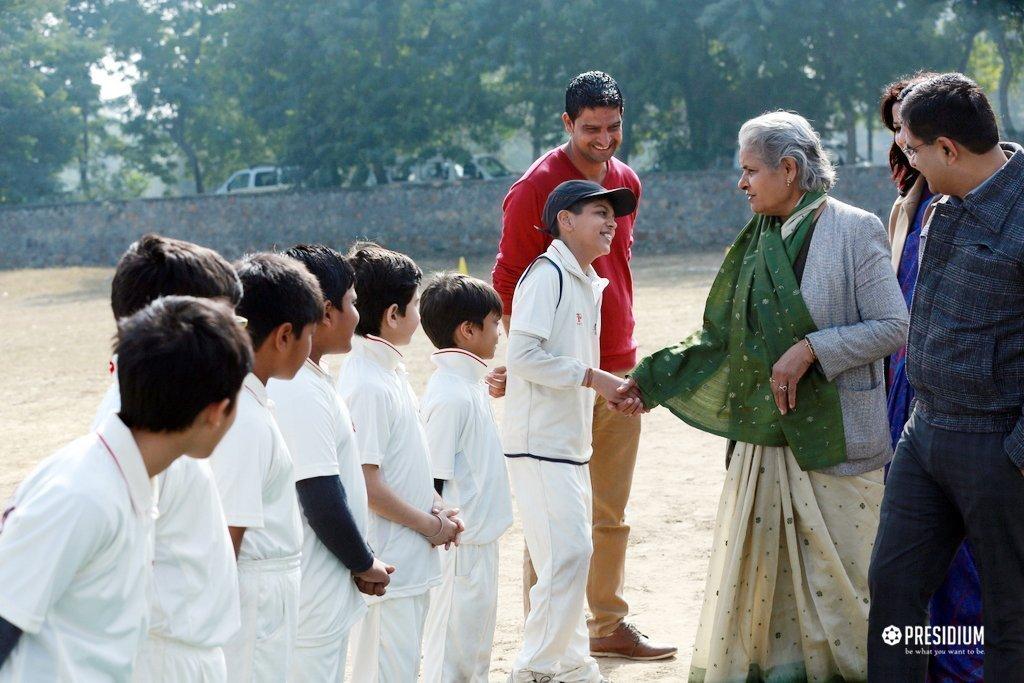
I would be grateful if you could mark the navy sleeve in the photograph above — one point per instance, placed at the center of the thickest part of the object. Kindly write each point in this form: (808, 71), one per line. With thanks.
(9, 635)
(325, 506)
(439, 486)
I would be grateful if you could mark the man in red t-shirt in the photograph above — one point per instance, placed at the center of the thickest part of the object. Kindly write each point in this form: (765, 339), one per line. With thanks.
(593, 120)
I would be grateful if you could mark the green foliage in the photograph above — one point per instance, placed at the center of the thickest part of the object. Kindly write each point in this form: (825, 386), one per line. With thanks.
(37, 118)
(343, 88)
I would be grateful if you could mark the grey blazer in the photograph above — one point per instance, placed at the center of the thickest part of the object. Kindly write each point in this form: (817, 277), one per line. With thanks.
(853, 296)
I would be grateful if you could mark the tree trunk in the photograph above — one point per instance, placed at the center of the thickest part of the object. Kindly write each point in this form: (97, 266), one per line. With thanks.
(870, 123)
(179, 138)
(197, 173)
(83, 160)
(851, 134)
(1005, 81)
(380, 173)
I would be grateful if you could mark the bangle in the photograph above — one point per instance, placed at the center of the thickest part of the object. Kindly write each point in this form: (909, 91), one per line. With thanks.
(440, 528)
(807, 343)
(588, 378)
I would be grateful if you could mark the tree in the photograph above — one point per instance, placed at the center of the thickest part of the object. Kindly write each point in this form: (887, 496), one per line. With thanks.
(829, 59)
(37, 121)
(347, 84)
(83, 42)
(182, 97)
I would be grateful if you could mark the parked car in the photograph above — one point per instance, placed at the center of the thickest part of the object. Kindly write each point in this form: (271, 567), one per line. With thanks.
(442, 169)
(485, 167)
(259, 179)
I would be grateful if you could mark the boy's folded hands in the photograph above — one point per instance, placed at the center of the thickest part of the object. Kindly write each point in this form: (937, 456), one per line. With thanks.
(495, 380)
(374, 580)
(451, 527)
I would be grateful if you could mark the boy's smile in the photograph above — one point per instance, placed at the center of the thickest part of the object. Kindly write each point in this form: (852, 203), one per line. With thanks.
(590, 234)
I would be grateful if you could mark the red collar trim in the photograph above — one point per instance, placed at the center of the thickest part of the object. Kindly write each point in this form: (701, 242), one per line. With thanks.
(120, 471)
(386, 342)
(463, 352)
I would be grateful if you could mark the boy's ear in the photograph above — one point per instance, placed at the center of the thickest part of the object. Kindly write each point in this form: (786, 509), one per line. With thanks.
(464, 330)
(328, 307)
(215, 414)
(282, 336)
(391, 315)
(564, 219)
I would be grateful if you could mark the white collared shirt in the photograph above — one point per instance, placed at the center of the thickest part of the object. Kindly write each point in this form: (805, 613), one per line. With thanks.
(465, 449)
(75, 550)
(253, 470)
(374, 384)
(195, 578)
(553, 339)
(317, 427)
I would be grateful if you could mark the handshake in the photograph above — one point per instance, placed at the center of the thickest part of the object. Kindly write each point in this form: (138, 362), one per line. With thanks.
(622, 395)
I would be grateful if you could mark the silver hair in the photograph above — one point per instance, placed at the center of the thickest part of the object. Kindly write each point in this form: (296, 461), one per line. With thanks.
(779, 134)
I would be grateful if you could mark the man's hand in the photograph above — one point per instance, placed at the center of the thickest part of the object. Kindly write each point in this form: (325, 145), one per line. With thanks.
(374, 580)
(786, 374)
(496, 381)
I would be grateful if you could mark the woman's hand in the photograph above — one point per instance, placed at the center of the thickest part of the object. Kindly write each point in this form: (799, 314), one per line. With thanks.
(786, 374)
(610, 387)
(629, 390)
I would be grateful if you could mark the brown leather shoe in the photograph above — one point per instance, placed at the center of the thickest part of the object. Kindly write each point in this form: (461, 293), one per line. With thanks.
(627, 642)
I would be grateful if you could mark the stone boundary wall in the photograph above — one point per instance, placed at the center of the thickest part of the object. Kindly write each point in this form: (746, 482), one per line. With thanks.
(679, 212)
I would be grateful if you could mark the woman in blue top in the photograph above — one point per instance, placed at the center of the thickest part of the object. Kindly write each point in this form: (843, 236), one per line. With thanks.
(958, 600)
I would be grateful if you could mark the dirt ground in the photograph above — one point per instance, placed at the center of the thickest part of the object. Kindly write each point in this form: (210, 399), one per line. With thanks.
(57, 336)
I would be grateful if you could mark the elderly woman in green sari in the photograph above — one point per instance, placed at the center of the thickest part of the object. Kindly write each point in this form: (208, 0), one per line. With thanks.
(788, 367)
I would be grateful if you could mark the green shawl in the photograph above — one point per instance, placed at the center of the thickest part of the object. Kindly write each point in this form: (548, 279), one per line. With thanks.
(717, 378)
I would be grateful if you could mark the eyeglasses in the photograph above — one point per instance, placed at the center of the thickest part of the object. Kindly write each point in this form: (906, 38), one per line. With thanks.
(911, 152)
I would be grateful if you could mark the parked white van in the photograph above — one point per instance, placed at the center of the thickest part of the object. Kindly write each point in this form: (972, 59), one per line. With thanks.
(258, 179)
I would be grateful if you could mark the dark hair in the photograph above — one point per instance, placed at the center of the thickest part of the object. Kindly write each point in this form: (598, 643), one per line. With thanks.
(452, 299)
(175, 357)
(953, 106)
(278, 290)
(383, 278)
(589, 90)
(903, 174)
(332, 271)
(155, 266)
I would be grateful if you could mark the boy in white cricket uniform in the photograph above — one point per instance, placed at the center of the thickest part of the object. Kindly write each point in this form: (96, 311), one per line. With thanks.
(329, 481)
(253, 469)
(76, 543)
(404, 527)
(461, 316)
(194, 607)
(553, 359)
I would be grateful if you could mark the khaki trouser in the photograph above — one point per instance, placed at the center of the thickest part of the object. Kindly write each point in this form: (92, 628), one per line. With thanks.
(616, 440)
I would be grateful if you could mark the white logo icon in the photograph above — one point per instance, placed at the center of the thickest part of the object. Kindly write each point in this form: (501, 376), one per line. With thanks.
(891, 635)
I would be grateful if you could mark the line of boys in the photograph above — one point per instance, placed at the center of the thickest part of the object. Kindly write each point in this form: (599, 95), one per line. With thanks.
(244, 586)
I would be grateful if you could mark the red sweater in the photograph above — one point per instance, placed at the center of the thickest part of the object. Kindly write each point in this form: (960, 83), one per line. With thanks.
(521, 242)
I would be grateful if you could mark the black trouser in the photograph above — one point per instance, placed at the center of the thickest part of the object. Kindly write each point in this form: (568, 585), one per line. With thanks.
(944, 486)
